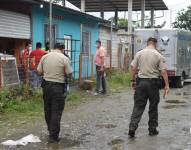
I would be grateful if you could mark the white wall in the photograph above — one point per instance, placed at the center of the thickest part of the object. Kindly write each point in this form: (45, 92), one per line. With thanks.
(104, 35)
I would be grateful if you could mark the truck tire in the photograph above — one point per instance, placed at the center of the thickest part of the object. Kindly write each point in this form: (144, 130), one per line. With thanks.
(180, 82)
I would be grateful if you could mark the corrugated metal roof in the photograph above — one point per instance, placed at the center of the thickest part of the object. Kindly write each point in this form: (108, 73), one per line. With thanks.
(121, 5)
(65, 9)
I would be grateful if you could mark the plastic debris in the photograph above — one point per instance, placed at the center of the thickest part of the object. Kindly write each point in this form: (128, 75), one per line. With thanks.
(23, 141)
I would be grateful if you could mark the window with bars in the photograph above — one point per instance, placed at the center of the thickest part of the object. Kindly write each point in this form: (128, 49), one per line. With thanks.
(86, 43)
(47, 33)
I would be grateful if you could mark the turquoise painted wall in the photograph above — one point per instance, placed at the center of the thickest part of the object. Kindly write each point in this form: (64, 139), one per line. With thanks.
(70, 25)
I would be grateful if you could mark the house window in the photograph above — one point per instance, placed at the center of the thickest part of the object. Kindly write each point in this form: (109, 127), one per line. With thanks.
(86, 42)
(68, 45)
(47, 34)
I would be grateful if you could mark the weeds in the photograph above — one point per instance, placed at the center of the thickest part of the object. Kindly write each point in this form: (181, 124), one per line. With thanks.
(119, 79)
(23, 99)
(19, 98)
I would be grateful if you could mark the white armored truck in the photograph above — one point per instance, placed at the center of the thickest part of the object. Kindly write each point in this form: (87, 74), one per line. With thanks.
(174, 45)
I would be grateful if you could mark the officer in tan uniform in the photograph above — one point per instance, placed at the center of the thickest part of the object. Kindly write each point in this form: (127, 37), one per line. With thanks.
(149, 64)
(54, 67)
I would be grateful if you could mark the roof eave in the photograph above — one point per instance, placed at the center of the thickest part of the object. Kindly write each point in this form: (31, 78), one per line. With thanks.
(76, 12)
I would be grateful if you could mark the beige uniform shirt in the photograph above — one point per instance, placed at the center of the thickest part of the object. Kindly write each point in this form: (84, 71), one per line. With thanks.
(149, 62)
(54, 65)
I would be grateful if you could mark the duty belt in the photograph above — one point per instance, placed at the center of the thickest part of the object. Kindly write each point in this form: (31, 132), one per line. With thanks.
(148, 79)
(54, 83)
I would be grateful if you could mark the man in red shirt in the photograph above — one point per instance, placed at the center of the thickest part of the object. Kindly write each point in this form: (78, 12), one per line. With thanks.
(99, 61)
(35, 57)
(24, 63)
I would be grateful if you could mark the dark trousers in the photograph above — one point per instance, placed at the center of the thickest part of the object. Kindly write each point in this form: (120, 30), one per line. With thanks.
(147, 89)
(100, 80)
(54, 101)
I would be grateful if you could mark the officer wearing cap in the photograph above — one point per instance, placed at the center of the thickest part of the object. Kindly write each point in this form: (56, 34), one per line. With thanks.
(54, 67)
(149, 64)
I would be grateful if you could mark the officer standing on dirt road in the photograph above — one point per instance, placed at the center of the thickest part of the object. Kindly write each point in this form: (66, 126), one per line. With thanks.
(54, 67)
(149, 64)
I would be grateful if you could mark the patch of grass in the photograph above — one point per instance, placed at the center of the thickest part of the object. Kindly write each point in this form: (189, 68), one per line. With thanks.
(19, 106)
(20, 99)
(24, 106)
(75, 98)
(119, 79)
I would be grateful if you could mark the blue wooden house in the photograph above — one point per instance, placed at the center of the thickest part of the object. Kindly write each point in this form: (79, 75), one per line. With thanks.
(29, 20)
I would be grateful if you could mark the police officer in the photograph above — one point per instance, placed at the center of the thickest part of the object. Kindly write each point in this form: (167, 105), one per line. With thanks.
(149, 64)
(54, 66)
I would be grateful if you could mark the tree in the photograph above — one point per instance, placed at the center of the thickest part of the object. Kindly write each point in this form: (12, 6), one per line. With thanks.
(183, 20)
(122, 22)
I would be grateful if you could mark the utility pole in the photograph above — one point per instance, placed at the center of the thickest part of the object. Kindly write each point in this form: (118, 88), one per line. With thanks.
(152, 18)
(50, 22)
(142, 13)
(130, 24)
(83, 5)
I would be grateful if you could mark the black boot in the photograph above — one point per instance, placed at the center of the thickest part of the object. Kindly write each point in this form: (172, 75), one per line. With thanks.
(54, 139)
(131, 134)
(153, 132)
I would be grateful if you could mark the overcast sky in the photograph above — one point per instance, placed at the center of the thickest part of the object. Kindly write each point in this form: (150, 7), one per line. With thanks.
(173, 5)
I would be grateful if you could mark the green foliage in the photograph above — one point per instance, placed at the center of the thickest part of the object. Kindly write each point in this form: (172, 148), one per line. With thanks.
(183, 20)
(23, 106)
(122, 22)
(17, 98)
(73, 96)
(119, 79)
(22, 99)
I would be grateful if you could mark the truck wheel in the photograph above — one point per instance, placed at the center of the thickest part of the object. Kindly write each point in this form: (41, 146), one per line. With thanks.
(180, 82)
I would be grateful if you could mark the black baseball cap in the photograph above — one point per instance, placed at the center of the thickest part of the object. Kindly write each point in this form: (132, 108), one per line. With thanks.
(59, 46)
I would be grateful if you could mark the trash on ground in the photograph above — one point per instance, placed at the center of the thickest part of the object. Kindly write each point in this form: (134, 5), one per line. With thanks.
(23, 141)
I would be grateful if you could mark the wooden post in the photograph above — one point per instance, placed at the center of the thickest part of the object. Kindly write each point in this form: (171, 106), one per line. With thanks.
(111, 39)
(92, 66)
(80, 70)
(0, 73)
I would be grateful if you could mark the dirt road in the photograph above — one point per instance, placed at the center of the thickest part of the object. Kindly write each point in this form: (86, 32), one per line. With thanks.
(103, 125)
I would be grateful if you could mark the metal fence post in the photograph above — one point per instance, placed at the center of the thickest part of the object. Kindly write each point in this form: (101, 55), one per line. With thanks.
(80, 70)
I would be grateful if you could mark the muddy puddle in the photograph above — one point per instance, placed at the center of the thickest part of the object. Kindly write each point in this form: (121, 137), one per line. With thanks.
(63, 144)
(183, 94)
(175, 106)
(108, 126)
(175, 102)
(186, 93)
(67, 142)
(117, 144)
(170, 104)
